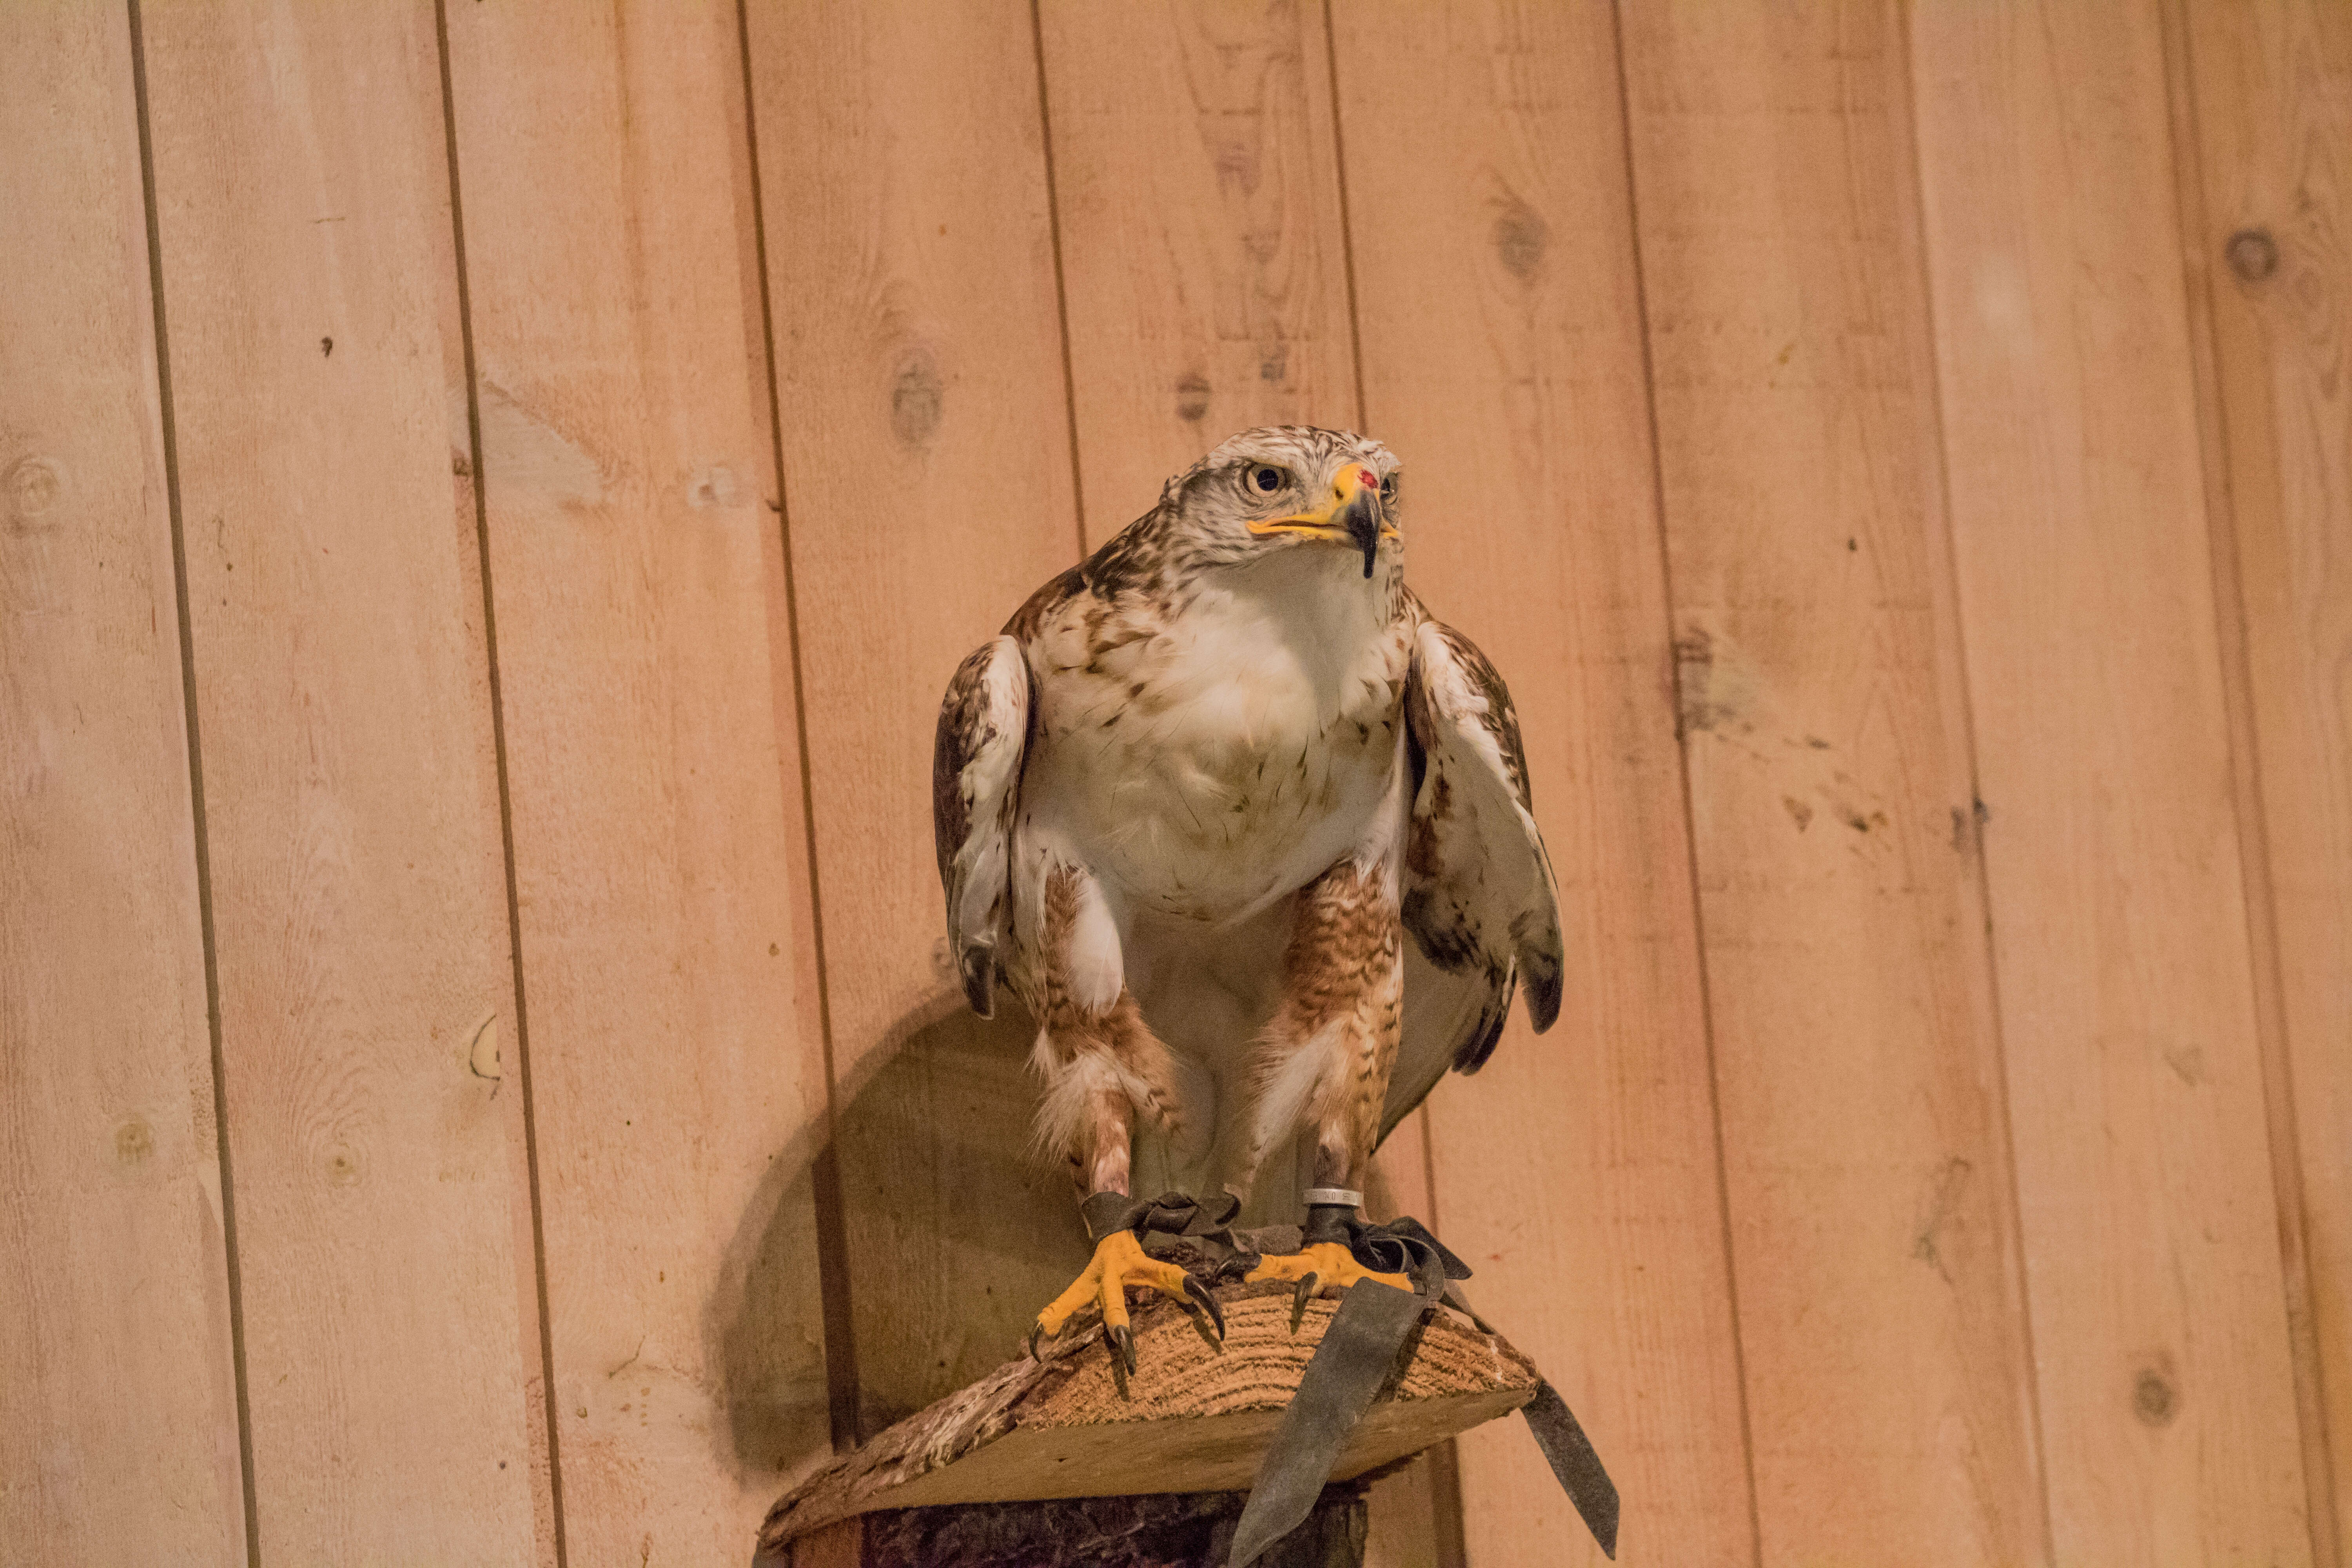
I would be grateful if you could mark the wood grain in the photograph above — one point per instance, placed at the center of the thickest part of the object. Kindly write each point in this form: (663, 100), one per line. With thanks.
(1494, 262)
(1191, 1419)
(1201, 237)
(1874, 1237)
(120, 1443)
(302, 180)
(627, 471)
(927, 491)
(2263, 121)
(2079, 531)
(1995, 366)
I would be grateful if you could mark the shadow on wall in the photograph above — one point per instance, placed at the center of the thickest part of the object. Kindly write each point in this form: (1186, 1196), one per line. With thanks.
(763, 1327)
(955, 1232)
(956, 1235)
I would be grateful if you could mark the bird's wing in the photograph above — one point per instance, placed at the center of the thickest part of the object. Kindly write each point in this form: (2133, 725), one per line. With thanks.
(1478, 894)
(975, 790)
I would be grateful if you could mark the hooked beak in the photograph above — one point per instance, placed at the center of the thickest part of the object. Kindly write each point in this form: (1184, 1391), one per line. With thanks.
(1352, 517)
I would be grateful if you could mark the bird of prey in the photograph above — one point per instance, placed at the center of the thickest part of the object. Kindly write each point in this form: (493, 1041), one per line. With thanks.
(1247, 832)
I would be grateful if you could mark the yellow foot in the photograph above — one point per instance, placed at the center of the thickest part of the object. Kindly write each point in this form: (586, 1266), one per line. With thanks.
(1119, 1261)
(1321, 1264)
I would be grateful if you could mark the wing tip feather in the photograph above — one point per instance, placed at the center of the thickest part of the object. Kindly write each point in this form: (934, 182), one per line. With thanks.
(977, 962)
(1480, 1045)
(1543, 993)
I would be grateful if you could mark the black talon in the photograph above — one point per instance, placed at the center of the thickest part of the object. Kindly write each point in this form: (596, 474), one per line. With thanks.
(1208, 1302)
(1034, 1330)
(1120, 1343)
(1208, 1318)
(1306, 1285)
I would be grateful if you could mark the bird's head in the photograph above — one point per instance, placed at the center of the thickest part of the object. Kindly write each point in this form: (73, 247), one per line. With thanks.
(1288, 486)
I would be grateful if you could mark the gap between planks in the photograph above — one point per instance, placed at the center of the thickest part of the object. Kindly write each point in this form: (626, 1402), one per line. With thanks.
(199, 833)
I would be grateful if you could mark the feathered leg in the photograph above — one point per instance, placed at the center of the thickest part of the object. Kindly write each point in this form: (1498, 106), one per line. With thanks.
(1102, 1067)
(1325, 1060)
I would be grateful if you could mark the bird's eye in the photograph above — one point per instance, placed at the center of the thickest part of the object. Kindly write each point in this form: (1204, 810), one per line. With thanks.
(1388, 488)
(1268, 480)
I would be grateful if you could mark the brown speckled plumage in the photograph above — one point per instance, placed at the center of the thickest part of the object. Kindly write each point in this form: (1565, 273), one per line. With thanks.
(1191, 799)
(1344, 988)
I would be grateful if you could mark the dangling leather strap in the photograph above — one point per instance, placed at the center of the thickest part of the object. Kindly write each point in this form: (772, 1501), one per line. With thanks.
(1359, 1352)
(1574, 1464)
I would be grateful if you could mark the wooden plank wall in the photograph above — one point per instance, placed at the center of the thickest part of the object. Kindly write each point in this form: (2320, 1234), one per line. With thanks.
(490, 495)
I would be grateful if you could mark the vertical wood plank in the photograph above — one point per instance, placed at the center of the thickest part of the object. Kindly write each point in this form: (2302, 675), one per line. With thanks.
(1201, 238)
(353, 798)
(1858, 1062)
(927, 491)
(120, 1443)
(838, 1545)
(603, 163)
(2079, 529)
(1502, 361)
(2268, 134)
(1204, 267)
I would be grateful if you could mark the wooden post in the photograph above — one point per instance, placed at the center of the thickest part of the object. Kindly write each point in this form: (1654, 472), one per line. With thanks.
(1051, 1461)
(1152, 1530)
